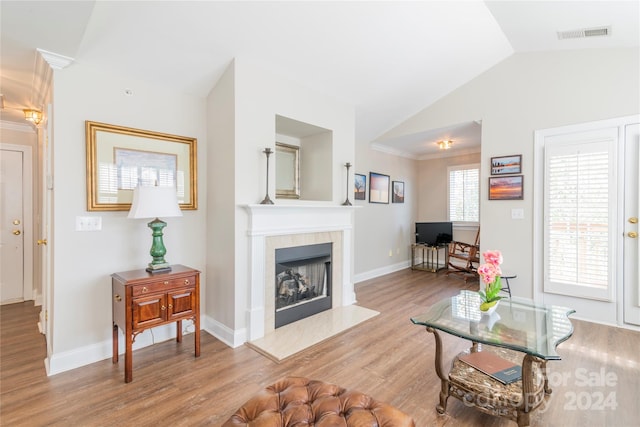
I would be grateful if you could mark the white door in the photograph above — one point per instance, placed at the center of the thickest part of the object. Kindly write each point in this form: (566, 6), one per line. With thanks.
(588, 255)
(11, 227)
(631, 246)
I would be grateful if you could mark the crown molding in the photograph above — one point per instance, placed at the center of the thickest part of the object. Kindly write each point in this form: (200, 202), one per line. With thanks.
(393, 151)
(438, 155)
(450, 153)
(55, 61)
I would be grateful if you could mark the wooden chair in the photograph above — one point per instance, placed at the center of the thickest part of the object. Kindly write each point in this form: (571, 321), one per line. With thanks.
(464, 258)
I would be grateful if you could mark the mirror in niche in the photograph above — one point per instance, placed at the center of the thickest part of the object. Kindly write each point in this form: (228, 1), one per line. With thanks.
(287, 171)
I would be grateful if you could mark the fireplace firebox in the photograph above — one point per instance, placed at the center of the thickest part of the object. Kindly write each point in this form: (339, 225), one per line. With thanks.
(303, 282)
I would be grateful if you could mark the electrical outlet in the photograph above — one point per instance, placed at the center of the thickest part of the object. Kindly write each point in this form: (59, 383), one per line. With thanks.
(517, 213)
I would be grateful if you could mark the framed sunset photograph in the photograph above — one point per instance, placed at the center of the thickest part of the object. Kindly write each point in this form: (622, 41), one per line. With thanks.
(378, 188)
(506, 188)
(506, 165)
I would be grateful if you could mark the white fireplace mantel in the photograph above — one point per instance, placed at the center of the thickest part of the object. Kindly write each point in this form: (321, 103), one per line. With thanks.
(290, 221)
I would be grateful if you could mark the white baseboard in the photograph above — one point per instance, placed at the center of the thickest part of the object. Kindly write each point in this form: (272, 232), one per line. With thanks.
(372, 274)
(78, 357)
(37, 301)
(225, 334)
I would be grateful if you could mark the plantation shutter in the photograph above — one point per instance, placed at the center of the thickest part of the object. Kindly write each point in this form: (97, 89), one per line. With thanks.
(464, 193)
(579, 223)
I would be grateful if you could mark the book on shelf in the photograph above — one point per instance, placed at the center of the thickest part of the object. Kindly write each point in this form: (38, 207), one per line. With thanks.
(493, 365)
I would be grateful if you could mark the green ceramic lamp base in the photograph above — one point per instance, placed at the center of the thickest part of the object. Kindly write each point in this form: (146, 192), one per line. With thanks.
(158, 264)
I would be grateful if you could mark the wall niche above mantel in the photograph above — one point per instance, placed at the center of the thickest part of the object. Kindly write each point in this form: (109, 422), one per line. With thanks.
(303, 161)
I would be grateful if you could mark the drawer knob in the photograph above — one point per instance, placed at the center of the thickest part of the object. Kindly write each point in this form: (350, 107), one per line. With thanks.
(170, 306)
(163, 308)
(186, 281)
(117, 297)
(144, 289)
(166, 282)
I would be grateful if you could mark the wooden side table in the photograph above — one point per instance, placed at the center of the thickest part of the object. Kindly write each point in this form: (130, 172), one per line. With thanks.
(142, 300)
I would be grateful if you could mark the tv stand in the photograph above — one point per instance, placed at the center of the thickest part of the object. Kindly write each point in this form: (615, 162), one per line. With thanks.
(431, 258)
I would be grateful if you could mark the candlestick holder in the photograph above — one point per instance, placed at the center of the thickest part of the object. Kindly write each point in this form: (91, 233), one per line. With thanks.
(267, 200)
(347, 202)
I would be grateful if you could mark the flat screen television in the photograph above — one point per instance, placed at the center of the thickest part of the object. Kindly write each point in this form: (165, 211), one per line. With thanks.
(434, 233)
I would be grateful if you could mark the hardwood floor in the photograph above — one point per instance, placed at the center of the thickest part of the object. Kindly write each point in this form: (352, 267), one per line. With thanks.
(387, 357)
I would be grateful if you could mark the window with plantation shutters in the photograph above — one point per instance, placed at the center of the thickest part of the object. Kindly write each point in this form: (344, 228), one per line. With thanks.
(579, 210)
(464, 193)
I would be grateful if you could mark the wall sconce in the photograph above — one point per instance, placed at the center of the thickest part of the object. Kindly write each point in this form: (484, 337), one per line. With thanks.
(34, 116)
(445, 145)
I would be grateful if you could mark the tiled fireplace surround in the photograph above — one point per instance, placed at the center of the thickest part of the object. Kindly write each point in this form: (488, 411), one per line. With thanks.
(278, 226)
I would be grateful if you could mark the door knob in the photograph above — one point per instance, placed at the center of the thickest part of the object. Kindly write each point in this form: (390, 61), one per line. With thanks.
(16, 222)
(632, 234)
(17, 232)
(42, 242)
(633, 220)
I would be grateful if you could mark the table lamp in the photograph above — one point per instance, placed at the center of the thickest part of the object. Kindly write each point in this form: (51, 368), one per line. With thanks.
(155, 202)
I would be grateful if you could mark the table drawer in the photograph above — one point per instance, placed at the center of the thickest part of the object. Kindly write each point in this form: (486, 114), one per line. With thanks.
(163, 285)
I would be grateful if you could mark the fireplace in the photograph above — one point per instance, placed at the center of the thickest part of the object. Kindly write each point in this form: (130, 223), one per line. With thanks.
(302, 282)
(273, 227)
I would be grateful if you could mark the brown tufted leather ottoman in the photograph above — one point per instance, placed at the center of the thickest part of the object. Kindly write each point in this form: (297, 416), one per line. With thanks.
(297, 401)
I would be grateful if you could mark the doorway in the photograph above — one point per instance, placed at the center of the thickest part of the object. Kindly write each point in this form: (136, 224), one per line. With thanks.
(586, 205)
(16, 224)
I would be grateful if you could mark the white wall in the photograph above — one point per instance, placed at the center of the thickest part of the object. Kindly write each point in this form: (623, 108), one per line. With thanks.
(221, 166)
(260, 95)
(384, 233)
(84, 261)
(523, 93)
(433, 191)
(433, 185)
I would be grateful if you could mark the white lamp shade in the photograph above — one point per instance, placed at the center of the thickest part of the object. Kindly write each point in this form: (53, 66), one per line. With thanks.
(154, 202)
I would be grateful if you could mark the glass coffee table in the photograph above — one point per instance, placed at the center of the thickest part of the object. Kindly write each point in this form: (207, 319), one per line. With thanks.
(516, 327)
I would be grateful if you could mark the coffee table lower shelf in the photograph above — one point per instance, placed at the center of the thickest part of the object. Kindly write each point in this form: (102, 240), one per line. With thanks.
(515, 401)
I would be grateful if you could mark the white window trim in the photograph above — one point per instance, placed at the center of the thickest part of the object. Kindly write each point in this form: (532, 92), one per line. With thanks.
(464, 225)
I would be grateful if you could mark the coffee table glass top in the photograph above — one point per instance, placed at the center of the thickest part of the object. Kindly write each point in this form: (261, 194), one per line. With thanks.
(517, 324)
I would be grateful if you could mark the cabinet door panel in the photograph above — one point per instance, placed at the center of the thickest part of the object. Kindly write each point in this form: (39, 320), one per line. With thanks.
(182, 303)
(149, 310)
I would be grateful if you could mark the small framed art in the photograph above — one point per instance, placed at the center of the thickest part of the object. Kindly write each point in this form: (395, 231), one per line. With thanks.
(397, 196)
(506, 188)
(360, 187)
(378, 188)
(506, 165)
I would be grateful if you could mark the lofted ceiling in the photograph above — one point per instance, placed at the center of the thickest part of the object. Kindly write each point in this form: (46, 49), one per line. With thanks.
(388, 59)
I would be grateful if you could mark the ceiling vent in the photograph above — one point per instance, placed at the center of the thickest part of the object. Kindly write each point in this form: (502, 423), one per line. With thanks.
(585, 32)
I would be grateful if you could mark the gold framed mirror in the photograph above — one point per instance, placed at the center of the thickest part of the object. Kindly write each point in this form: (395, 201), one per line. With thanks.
(287, 171)
(121, 158)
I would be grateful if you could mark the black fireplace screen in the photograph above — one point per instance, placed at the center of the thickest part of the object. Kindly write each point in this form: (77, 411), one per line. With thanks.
(303, 282)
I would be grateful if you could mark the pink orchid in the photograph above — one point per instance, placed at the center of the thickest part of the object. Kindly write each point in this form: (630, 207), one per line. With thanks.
(493, 257)
(488, 272)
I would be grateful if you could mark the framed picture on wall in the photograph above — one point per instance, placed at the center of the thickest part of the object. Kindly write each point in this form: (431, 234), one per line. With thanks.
(506, 165)
(121, 158)
(397, 196)
(360, 187)
(378, 188)
(506, 188)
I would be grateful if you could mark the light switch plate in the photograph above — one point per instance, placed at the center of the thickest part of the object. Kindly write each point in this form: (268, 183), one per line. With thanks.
(88, 223)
